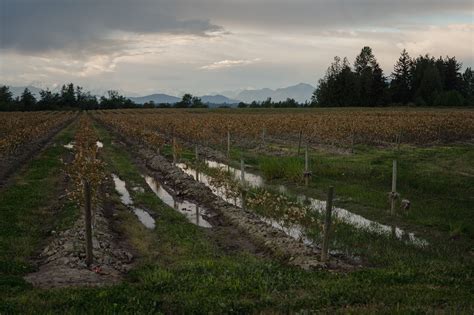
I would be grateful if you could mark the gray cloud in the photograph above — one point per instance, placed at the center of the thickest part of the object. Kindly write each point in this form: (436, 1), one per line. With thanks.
(80, 26)
(266, 42)
(326, 14)
(75, 26)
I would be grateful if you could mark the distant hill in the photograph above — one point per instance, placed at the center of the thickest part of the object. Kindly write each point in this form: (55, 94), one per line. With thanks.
(165, 98)
(157, 98)
(218, 100)
(301, 93)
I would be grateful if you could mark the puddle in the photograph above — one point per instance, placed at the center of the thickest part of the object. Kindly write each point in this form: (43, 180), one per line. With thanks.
(361, 222)
(257, 181)
(206, 180)
(70, 145)
(145, 218)
(192, 211)
(251, 179)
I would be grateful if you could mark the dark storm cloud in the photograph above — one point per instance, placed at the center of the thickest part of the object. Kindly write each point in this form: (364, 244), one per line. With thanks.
(85, 26)
(314, 14)
(32, 26)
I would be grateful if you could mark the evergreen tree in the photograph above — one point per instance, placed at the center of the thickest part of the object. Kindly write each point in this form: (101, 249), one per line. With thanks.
(430, 86)
(400, 86)
(326, 94)
(27, 101)
(468, 86)
(348, 85)
(452, 75)
(6, 98)
(419, 67)
(48, 100)
(372, 84)
(68, 97)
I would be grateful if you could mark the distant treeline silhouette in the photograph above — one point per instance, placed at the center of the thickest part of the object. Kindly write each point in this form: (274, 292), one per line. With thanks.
(68, 98)
(421, 81)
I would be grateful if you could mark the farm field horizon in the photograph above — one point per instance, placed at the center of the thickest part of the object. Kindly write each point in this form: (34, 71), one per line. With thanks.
(227, 210)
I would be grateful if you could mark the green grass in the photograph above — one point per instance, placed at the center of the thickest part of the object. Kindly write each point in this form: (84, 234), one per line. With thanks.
(28, 211)
(180, 270)
(437, 180)
(276, 168)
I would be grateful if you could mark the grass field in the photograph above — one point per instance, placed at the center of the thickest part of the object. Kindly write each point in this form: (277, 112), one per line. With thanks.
(179, 267)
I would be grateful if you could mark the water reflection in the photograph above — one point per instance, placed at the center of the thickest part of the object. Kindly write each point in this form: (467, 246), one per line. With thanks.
(192, 211)
(145, 218)
(257, 181)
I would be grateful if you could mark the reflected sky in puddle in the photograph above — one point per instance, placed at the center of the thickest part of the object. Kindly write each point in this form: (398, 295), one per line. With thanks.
(145, 218)
(257, 181)
(192, 211)
(70, 145)
(252, 179)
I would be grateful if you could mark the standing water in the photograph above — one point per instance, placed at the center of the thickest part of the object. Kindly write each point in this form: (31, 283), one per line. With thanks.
(257, 181)
(192, 211)
(145, 218)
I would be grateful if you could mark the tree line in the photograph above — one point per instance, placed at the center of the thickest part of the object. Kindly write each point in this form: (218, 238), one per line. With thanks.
(269, 103)
(72, 97)
(421, 81)
(69, 97)
(187, 101)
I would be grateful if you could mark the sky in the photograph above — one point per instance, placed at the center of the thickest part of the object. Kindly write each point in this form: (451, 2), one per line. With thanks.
(209, 46)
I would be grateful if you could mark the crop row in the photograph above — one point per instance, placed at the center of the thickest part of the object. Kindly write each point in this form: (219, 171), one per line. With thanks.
(339, 127)
(19, 129)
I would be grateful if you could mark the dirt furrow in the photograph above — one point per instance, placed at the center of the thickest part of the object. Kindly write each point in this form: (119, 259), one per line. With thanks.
(274, 240)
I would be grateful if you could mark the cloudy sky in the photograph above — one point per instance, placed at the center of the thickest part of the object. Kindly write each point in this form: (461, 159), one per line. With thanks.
(210, 46)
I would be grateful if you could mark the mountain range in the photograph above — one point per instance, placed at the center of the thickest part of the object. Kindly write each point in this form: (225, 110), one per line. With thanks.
(301, 93)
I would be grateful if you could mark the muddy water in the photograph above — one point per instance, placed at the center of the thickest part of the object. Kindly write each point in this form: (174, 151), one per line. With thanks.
(193, 212)
(257, 181)
(145, 218)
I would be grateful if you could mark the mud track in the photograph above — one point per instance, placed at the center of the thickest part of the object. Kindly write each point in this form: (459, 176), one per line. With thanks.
(262, 234)
(61, 263)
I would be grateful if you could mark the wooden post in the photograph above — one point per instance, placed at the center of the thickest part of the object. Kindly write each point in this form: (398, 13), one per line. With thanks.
(197, 162)
(263, 137)
(197, 215)
(306, 167)
(88, 222)
(228, 145)
(299, 142)
(399, 140)
(242, 171)
(174, 150)
(327, 225)
(394, 187)
(242, 181)
(352, 142)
